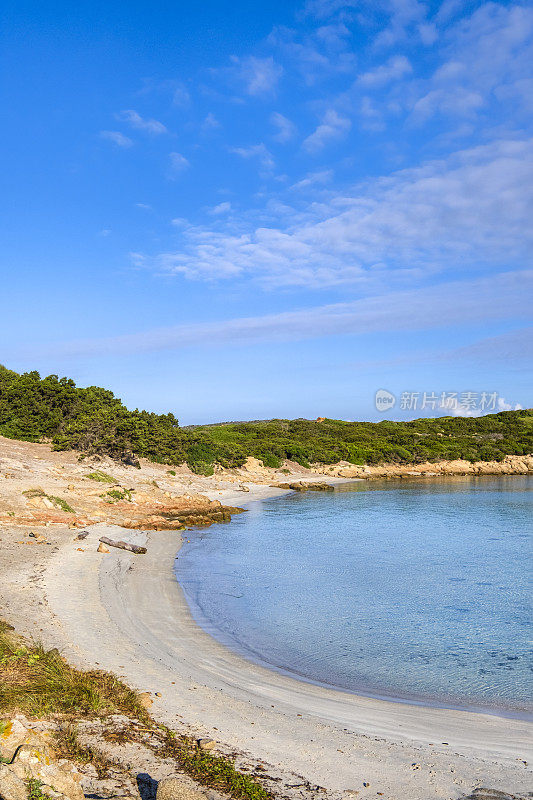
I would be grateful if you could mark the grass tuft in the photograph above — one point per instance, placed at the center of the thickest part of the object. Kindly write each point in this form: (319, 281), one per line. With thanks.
(63, 505)
(35, 791)
(69, 746)
(100, 476)
(114, 495)
(40, 682)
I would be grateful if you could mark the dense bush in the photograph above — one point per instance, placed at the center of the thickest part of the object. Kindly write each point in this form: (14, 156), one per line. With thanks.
(94, 421)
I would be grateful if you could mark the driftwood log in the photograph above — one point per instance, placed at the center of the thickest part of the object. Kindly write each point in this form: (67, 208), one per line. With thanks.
(133, 548)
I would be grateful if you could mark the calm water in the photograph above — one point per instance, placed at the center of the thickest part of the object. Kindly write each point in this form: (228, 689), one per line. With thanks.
(413, 590)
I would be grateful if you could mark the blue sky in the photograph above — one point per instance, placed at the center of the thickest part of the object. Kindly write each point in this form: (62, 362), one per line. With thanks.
(248, 210)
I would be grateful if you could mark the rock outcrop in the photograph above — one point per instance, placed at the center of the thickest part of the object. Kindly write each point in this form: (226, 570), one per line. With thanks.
(305, 486)
(28, 755)
(511, 465)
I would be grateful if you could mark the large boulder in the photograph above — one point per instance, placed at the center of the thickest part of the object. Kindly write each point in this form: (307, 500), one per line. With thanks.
(177, 788)
(12, 787)
(35, 759)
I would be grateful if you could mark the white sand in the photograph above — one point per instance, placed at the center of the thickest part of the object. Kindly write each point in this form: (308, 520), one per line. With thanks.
(127, 614)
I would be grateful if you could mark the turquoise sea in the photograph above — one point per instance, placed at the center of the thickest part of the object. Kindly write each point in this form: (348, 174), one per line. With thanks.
(410, 590)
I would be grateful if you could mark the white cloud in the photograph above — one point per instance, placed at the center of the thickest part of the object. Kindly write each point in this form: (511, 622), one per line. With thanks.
(117, 138)
(210, 122)
(472, 209)
(316, 53)
(485, 57)
(466, 411)
(181, 96)
(444, 306)
(403, 14)
(136, 121)
(178, 163)
(428, 33)
(456, 102)
(332, 127)
(144, 206)
(260, 75)
(312, 179)
(222, 208)
(258, 151)
(503, 405)
(286, 128)
(395, 68)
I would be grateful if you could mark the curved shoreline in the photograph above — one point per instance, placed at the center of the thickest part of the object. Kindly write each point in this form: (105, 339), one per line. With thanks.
(128, 614)
(249, 655)
(256, 659)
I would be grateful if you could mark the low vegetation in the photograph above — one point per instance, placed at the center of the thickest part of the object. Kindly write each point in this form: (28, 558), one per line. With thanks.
(93, 421)
(58, 502)
(41, 684)
(100, 476)
(114, 495)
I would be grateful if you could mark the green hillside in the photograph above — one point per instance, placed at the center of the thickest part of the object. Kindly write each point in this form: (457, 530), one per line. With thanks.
(94, 421)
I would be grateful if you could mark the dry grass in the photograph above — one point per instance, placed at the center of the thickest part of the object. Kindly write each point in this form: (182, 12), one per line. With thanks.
(69, 746)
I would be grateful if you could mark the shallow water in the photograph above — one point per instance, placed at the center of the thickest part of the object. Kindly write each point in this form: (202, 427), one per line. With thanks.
(406, 589)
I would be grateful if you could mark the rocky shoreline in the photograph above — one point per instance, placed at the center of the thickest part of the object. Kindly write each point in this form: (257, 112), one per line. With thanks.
(41, 487)
(511, 465)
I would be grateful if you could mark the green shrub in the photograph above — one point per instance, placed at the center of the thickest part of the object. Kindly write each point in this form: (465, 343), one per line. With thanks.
(270, 460)
(63, 505)
(201, 468)
(95, 422)
(100, 476)
(115, 495)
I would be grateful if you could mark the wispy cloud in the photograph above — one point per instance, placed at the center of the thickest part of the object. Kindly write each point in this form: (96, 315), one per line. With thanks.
(315, 54)
(221, 208)
(444, 306)
(286, 128)
(181, 96)
(485, 55)
(332, 127)
(404, 14)
(139, 123)
(256, 151)
(178, 163)
(445, 214)
(512, 348)
(312, 179)
(259, 75)
(117, 138)
(210, 122)
(395, 68)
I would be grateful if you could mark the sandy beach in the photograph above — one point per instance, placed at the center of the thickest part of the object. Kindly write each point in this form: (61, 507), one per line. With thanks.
(127, 614)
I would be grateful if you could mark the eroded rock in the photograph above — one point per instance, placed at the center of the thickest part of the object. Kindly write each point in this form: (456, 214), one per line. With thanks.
(175, 788)
(12, 787)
